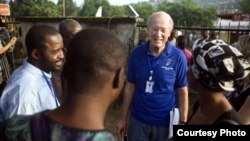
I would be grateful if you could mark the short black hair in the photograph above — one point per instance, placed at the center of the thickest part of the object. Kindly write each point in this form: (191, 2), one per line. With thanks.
(67, 24)
(181, 41)
(94, 55)
(67, 28)
(36, 37)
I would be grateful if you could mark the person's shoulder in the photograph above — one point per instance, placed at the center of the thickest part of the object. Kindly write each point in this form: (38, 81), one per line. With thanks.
(24, 76)
(103, 135)
(17, 127)
(175, 51)
(18, 120)
(197, 42)
(173, 47)
(19, 81)
(228, 122)
(19, 74)
(188, 52)
(41, 124)
(228, 118)
(138, 49)
(83, 135)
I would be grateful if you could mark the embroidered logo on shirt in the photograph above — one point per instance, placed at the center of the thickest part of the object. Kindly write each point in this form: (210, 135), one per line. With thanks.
(169, 61)
(167, 65)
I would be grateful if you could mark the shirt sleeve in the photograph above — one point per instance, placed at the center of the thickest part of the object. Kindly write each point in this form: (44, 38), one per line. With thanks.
(131, 70)
(9, 101)
(181, 77)
(15, 103)
(28, 103)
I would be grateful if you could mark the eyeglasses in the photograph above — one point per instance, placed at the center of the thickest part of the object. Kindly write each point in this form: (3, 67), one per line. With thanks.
(158, 29)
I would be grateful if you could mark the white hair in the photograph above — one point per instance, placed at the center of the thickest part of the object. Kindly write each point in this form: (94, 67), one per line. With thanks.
(167, 16)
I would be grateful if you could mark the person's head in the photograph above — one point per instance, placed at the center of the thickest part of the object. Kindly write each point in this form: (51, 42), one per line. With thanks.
(172, 35)
(218, 67)
(214, 35)
(160, 25)
(205, 33)
(95, 58)
(243, 45)
(44, 47)
(68, 28)
(181, 41)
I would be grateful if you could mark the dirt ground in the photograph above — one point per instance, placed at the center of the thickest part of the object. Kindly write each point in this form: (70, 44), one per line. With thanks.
(114, 113)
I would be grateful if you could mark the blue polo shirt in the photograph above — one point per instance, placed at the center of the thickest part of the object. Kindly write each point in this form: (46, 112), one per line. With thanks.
(169, 73)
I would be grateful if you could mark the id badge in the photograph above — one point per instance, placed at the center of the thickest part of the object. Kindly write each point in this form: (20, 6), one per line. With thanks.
(149, 87)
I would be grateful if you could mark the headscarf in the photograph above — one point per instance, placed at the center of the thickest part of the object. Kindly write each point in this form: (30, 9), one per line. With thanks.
(219, 66)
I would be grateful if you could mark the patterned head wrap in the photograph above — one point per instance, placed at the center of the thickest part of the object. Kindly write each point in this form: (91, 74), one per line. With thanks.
(219, 66)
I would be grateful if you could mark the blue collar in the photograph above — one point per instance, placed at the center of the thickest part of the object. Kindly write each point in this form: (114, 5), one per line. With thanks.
(168, 49)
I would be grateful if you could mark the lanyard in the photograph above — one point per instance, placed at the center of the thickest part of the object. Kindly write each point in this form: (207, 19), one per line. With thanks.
(155, 63)
(151, 67)
(51, 88)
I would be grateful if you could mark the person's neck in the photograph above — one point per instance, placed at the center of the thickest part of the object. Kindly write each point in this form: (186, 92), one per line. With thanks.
(156, 50)
(213, 102)
(37, 65)
(81, 112)
(210, 102)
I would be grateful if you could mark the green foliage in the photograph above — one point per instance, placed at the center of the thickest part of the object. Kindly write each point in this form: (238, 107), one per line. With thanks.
(209, 15)
(90, 7)
(117, 11)
(71, 8)
(105, 8)
(185, 13)
(189, 4)
(33, 8)
(176, 14)
(3, 1)
(144, 9)
(245, 6)
(189, 14)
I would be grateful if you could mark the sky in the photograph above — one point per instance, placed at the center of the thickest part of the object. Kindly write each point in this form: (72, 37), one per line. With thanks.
(112, 2)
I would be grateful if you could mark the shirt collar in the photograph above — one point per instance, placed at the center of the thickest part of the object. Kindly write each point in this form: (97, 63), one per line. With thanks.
(34, 70)
(167, 50)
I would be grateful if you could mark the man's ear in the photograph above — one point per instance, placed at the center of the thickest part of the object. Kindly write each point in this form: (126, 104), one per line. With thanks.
(35, 54)
(119, 78)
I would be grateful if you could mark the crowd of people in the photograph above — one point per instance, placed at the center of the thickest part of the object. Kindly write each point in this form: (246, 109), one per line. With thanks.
(71, 76)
